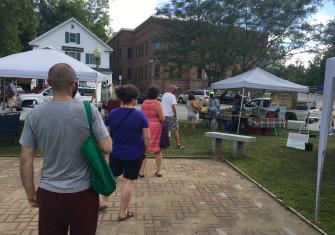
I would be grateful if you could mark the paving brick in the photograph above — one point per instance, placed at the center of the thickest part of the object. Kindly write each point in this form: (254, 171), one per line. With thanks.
(194, 196)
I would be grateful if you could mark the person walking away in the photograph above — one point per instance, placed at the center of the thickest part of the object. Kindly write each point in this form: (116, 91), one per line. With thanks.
(65, 197)
(153, 110)
(214, 106)
(131, 138)
(192, 110)
(169, 103)
(112, 103)
(10, 94)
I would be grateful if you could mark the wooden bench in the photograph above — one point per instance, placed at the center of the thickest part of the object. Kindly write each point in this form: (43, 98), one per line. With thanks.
(238, 141)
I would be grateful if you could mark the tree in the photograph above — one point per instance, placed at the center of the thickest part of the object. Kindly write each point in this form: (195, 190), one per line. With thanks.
(221, 35)
(93, 14)
(17, 27)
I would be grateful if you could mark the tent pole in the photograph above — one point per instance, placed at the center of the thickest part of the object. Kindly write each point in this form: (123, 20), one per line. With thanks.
(3, 93)
(240, 113)
(308, 113)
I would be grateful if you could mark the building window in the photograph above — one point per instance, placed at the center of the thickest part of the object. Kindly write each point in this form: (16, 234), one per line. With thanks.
(199, 76)
(73, 54)
(136, 53)
(130, 53)
(157, 68)
(129, 74)
(90, 59)
(157, 45)
(146, 71)
(142, 49)
(72, 37)
(146, 48)
(72, 26)
(172, 71)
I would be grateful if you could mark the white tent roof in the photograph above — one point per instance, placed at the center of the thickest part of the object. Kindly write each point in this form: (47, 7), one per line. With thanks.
(259, 79)
(36, 64)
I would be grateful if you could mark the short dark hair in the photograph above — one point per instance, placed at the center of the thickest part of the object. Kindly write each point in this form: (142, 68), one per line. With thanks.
(126, 93)
(153, 92)
(191, 96)
(61, 76)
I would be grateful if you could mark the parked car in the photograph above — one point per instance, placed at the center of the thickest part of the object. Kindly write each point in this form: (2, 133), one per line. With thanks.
(29, 100)
(202, 95)
(19, 89)
(257, 103)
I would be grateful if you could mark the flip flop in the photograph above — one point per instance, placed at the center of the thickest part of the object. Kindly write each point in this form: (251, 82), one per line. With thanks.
(158, 174)
(129, 214)
(141, 176)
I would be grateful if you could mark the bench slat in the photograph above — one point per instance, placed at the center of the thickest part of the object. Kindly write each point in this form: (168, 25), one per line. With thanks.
(233, 137)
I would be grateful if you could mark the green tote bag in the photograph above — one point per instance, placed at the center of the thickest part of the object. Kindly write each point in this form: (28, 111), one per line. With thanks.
(103, 181)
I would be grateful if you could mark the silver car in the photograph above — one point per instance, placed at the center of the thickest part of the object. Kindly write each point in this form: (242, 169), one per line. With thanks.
(202, 95)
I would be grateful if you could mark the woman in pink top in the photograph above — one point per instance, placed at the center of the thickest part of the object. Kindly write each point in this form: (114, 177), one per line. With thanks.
(153, 110)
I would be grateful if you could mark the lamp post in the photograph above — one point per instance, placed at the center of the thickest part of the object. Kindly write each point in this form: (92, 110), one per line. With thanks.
(120, 79)
(97, 56)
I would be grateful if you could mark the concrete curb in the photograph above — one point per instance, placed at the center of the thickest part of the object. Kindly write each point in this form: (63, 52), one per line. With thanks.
(276, 198)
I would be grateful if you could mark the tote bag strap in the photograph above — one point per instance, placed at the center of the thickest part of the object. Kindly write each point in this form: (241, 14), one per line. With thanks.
(88, 111)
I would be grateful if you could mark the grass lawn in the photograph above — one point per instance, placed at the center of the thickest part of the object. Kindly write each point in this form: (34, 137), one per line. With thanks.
(289, 173)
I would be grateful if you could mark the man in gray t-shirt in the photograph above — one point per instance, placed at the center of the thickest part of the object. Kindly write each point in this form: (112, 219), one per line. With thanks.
(58, 129)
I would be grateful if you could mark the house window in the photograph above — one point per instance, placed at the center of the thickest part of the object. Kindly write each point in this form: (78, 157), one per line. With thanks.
(130, 53)
(73, 54)
(129, 74)
(146, 48)
(157, 68)
(90, 59)
(157, 45)
(72, 26)
(72, 37)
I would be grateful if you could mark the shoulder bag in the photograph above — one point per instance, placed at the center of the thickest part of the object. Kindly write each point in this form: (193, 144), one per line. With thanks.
(103, 181)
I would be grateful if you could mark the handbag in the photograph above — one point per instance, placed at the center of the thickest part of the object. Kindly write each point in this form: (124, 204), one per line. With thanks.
(164, 141)
(103, 181)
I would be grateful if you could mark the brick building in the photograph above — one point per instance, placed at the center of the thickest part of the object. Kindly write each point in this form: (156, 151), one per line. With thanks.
(133, 61)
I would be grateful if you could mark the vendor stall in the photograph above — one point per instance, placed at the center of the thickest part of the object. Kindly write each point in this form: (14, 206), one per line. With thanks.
(262, 80)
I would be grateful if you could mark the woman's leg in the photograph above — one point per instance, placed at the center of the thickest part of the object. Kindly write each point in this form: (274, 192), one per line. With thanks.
(158, 159)
(144, 163)
(125, 197)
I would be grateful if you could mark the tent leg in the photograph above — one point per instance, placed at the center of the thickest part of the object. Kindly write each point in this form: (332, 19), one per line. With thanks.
(240, 113)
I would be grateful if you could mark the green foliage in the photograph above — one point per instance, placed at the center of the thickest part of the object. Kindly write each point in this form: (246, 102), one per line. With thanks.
(17, 26)
(93, 14)
(218, 35)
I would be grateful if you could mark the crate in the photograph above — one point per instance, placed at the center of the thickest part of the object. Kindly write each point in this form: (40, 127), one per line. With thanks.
(228, 126)
(254, 131)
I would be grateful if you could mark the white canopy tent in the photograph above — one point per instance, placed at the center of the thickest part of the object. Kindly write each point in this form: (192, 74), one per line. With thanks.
(328, 101)
(36, 64)
(259, 79)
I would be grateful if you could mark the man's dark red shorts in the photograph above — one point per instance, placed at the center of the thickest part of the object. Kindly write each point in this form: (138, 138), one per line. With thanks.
(59, 212)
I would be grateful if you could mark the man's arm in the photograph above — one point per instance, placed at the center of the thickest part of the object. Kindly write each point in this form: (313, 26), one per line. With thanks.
(106, 145)
(174, 109)
(27, 174)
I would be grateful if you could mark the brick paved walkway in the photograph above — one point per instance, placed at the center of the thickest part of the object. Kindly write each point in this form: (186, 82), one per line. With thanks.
(194, 196)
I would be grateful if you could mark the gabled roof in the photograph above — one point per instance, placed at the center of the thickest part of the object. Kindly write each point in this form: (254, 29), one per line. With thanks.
(64, 23)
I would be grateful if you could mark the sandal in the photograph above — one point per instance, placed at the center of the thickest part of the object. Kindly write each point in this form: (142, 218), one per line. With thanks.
(180, 146)
(129, 214)
(158, 174)
(141, 176)
(103, 207)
